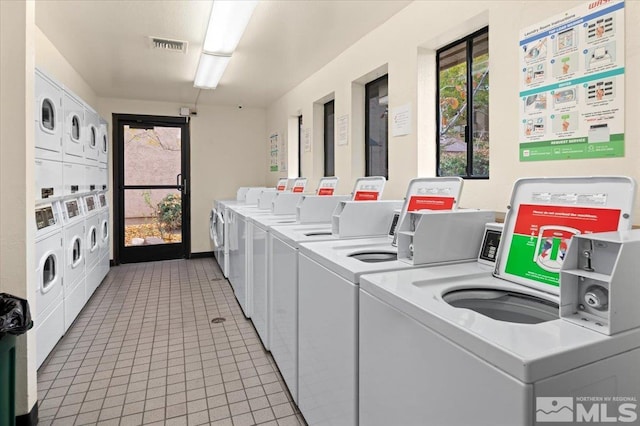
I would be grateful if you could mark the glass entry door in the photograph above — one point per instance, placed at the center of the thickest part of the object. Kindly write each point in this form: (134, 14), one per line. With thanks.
(152, 181)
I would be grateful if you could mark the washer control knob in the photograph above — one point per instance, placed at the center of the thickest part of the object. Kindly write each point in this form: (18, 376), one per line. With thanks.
(411, 251)
(597, 297)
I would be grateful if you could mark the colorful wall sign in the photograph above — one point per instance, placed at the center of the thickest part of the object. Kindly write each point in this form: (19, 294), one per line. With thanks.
(572, 84)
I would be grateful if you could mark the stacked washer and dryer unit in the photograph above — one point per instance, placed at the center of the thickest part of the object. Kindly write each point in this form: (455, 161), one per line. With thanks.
(72, 246)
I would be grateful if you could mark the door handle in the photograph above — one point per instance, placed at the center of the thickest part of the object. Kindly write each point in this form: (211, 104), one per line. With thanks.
(184, 186)
(178, 179)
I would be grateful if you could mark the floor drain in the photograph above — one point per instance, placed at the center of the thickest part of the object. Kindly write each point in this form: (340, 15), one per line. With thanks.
(218, 320)
(216, 279)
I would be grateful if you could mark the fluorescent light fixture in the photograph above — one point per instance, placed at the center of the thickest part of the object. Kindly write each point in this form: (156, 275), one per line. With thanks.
(210, 70)
(227, 22)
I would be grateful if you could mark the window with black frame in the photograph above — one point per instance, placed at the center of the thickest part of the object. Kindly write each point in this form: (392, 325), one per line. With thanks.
(377, 127)
(329, 139)
(463, 107)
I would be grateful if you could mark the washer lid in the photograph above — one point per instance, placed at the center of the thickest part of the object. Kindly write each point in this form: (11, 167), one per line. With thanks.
(545, 213)
(376, 256)
(504, 305)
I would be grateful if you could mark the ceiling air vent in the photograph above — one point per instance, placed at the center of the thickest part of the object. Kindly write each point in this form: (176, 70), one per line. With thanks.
(167, 44)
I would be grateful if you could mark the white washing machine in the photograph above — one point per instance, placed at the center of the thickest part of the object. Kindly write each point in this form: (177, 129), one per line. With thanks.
(73, 133)
(492, 350)
(283, 204)
(346, 223)
(244, 196)
(240, 245)
(92, 139)
(92, 243)
(48, 119)
(316, 209)
(105, 244)
(103, 151)
(48, 309)
(283, 245)
(329, 276)
(74, 259)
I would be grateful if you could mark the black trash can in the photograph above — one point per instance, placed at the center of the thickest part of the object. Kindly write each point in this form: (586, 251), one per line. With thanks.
(15, 319)
(7, 380)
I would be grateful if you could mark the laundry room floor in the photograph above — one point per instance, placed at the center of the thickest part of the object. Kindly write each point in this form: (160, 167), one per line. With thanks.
(144, 350)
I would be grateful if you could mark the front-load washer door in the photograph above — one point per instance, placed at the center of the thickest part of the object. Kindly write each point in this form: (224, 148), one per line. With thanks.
(218, 235)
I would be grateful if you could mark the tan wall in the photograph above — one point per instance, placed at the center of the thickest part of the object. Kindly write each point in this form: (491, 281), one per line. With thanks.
(404, 47)
(17, 251)
(51, 61)
(228, 150)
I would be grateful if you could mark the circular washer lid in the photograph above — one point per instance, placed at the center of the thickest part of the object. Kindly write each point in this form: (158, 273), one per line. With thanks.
(503, 305)
(375, 256)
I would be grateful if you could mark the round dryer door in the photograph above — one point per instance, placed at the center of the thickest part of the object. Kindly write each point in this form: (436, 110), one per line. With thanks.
(93, 239)
(49, 272)
(105, 231)
(503, 305)
(48, 115)
(76, 252)
(212, 223)
(218, 235)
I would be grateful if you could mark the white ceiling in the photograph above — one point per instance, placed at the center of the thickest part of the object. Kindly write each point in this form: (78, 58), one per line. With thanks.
(106, 41)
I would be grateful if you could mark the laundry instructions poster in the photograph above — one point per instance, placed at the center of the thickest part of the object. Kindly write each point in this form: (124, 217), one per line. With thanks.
(542, 233)
(572, 84)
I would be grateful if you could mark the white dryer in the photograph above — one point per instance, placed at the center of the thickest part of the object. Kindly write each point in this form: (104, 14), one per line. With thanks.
(92, 139)
(48, 309)
(48, 119)
(92, 177)
(105, 239)
(73, 179)
(48, 177)
(48, 137)
(92, 243)
(493, 350)
(74, 259)
(103, 143)
(73, 134)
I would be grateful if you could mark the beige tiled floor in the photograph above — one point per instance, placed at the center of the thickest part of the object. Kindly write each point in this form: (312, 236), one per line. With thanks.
(144, 351)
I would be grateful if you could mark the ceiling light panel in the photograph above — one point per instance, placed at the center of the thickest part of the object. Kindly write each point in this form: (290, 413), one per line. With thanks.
(210, 70)
(227, 22)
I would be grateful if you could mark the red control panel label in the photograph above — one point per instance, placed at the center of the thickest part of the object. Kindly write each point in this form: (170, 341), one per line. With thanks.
(281, 187)
(298, 188)
(325, 191)
(366, 196)
(421, 202)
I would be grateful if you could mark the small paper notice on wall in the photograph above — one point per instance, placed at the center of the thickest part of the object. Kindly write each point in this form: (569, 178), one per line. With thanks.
(306, 137)
(343, 129)
(401, 120)
(273, 152)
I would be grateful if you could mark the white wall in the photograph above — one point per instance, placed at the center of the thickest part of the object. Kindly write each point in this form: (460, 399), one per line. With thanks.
(17, 252)
(228, 150)
(405, 45)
